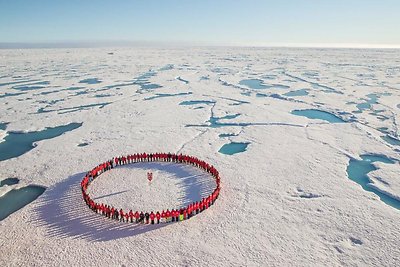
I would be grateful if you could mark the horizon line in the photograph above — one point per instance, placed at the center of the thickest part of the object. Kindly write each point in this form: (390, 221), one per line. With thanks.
(105, 44)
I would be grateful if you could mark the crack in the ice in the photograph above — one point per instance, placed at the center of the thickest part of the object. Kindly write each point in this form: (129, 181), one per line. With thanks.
(191, 140)
(330, 89)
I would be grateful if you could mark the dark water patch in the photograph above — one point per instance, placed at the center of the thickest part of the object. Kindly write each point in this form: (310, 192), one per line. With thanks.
(391, 140)
(3, 126)
(196, 102)
(9, 181)
(372, 99)
(143, 81)
(382, 118)
(146, 76)
(83, 144)
(16, 144)
(18, 198)
(149, 86)
(260, 85)
(253, 83)
(90, 81)
(166, 95)
(318, 114)
(355, 241)
(204, 78)
(277, 96)
(301, 92)
(32, 86)
(182, 80)
(223, 135)
(28, 88)
(102, 95)
(10, 94)
(84, 92)
(233, 148)
(357, 171)
(383, 129)
(363, 106)
(43, 110)
(49, 92)
(262, 95)
(214, 122)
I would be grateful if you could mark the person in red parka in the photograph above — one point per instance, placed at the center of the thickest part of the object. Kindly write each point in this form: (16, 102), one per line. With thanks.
(163, 219)
(152, 217)
(167, 216)
(121, 215)
(131, 215)
(177, 215)
(112, 213)
(189, 211)
(184, 214)
(172, 215)
(137, 216)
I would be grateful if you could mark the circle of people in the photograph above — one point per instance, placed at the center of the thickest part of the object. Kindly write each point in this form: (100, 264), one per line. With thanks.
(153, 217)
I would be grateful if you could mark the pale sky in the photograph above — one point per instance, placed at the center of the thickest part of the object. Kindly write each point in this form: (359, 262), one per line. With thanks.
(209, 22)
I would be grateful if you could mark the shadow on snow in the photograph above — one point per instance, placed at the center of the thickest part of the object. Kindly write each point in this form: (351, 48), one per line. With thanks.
(62, 209)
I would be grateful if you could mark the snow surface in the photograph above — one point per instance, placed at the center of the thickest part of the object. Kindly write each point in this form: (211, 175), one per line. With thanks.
(286, 201)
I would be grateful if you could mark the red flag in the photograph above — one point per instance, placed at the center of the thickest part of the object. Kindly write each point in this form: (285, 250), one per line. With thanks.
(149, 176)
